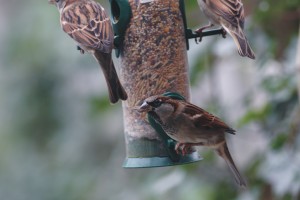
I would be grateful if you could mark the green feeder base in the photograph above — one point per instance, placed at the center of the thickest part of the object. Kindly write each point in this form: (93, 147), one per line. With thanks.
(145, 153)
(160, 161)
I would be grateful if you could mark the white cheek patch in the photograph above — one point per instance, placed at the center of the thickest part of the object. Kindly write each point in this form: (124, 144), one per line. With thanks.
(164, 111)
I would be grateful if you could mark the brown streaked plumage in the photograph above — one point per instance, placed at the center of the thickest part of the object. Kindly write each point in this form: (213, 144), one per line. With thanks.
(230, 15)
(190, 126)
(88, 24)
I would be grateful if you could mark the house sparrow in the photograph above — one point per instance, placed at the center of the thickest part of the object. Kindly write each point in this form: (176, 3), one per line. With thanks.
(190, 126)
(88, 24)
(230, 15)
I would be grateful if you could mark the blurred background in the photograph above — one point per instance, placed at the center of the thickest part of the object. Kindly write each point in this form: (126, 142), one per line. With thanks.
(56, 141)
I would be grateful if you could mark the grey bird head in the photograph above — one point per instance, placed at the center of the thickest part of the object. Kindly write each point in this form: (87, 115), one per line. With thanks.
(163, 106)
(150, 104)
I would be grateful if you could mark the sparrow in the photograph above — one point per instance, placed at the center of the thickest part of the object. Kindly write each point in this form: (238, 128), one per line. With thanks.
(230, 15)
(88, 24)
(190, 126)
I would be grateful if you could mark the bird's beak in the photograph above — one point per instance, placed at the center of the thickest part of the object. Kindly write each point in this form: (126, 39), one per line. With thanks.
(145, 107)
(51, 1)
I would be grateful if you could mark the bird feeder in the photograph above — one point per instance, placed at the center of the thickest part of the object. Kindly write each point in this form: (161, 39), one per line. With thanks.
(151, 38)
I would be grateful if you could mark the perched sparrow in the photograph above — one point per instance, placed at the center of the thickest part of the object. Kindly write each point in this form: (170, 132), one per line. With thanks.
(230, 15)
(87, 23)
(190, 126)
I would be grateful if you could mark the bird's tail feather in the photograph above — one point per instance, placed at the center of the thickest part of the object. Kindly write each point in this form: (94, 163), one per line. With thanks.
(242, 44)
(115, 88)
(225, 154)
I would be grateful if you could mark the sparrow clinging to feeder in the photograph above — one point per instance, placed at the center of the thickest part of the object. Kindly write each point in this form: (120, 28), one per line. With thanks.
(230, 15)
(88, 24)
(190, 126)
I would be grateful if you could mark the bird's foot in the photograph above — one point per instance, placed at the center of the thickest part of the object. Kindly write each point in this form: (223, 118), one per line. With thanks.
(199, 34)
(178, 147)
(199, 31)
(224, 33)
(80, 49)
(183, 148)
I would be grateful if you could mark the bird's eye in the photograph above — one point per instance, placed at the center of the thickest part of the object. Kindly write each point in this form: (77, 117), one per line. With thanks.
(156, 103)
(57, 1)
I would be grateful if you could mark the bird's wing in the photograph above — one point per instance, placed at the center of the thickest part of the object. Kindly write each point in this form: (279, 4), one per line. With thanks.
(232, 11)
(203, 119)
(88, 24)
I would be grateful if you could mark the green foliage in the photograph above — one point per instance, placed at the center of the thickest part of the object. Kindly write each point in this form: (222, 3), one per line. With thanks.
(253, 170)
(255, 115)
(200, 67)
(99, 105)
(279, 141)
(190, 5)
(225, 192)
(286, 13)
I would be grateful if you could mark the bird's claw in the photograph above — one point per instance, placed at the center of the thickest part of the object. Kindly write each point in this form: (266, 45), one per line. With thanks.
(224, 33)
(183, 149)
(80, 49)
(199, 34)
